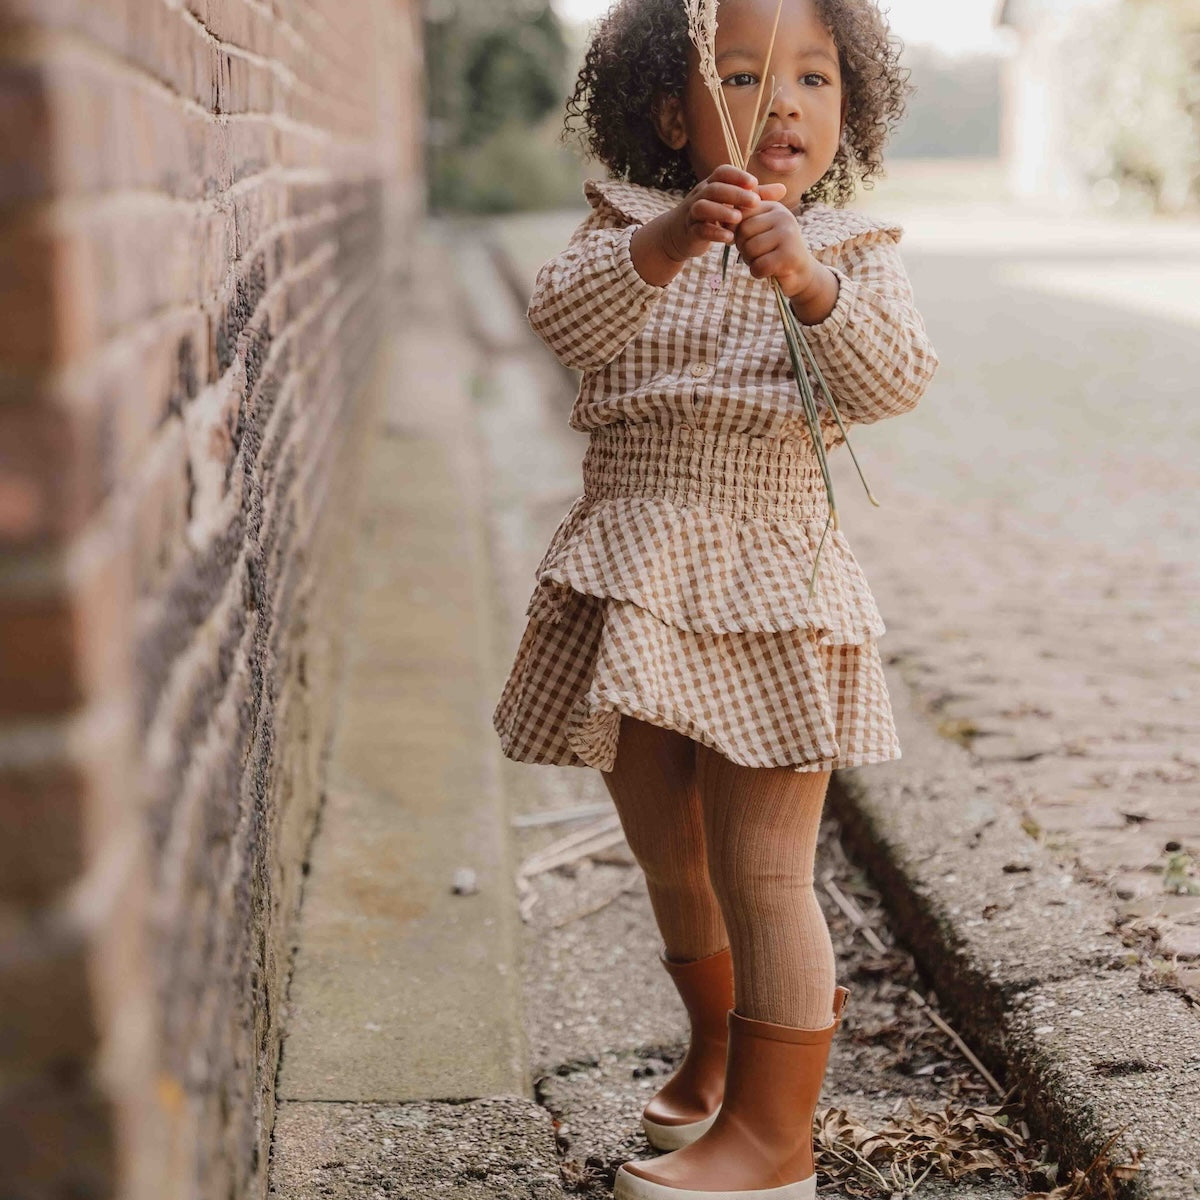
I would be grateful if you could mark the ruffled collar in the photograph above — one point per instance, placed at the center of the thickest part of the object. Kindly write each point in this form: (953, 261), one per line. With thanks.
(823, 225)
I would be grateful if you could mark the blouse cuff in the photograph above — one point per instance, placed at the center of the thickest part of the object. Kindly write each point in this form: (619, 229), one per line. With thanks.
(827, 330)
(836, 319)
(642, 289)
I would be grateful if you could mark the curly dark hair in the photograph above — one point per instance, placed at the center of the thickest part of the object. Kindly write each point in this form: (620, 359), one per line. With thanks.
(640, 51)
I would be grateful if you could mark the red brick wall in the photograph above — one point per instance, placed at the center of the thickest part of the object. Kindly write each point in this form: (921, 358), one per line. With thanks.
(202, 213)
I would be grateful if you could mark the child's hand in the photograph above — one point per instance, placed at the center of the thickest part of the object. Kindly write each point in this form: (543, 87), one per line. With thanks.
(711, 212)
(769, 239)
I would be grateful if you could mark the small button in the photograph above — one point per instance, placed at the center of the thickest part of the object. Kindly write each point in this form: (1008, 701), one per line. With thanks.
(699, 368)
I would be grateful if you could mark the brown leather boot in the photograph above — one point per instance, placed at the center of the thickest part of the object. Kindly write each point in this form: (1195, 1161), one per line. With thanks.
(685, 1106)
(760, 1145)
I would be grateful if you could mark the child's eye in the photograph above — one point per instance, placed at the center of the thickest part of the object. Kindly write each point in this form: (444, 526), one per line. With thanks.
(814, 75)
(741, 79)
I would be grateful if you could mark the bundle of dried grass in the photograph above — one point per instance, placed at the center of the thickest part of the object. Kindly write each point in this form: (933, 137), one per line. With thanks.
(702, 29)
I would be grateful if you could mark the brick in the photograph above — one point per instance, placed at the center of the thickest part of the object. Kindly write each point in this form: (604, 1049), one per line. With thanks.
(38, 663)
(59, 648)
(61, 456)
(39, 1120)
(62, 796)
(161, 509)
(32, 261)
(122, 133)
(42, 809)
(45, 997)
(50, 471)
(25, 127)
(214, 666)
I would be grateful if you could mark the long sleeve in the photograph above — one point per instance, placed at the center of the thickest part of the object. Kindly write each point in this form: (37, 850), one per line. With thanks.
(589, 301)
(872, 348)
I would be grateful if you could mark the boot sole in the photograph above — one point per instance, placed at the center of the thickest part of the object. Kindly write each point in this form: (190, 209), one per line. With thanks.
(675, 1137)
(634, 1187)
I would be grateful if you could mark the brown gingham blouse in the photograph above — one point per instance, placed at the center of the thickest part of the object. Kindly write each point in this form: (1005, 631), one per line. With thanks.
(675, 587)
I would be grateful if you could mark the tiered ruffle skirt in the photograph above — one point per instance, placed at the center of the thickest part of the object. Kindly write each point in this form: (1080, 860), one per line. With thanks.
(675, 590)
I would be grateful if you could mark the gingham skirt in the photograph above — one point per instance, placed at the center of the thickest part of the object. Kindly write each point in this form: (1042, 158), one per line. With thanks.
(675, 590)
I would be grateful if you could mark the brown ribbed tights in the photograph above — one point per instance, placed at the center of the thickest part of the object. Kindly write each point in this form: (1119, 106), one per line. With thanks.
(730, 848)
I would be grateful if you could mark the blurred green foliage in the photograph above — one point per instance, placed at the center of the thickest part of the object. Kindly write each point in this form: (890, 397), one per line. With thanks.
(496, 79)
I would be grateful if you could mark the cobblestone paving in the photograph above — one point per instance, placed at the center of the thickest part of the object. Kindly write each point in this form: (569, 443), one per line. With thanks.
(1036, 560)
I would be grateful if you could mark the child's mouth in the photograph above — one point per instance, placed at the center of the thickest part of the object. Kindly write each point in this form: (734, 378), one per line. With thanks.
(780, 158)
(780, 149)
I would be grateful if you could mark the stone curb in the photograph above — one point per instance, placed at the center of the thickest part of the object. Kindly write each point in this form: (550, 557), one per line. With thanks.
(1026, 963)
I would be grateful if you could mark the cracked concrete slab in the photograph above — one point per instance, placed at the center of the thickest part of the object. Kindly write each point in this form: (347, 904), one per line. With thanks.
(595, 983)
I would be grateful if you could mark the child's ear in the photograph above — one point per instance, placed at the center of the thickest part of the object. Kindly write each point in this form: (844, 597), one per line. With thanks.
(667, 112)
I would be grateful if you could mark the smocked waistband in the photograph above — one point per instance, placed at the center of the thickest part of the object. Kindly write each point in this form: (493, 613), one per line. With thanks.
(741, 474)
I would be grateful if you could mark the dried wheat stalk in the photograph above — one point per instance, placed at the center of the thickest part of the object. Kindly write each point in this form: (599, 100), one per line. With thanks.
(702, 29)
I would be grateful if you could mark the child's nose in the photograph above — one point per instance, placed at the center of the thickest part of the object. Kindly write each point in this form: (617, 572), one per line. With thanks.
(786, 103)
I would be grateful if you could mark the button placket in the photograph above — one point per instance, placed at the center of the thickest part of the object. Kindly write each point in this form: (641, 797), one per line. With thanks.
(718, 318)
(713, 304)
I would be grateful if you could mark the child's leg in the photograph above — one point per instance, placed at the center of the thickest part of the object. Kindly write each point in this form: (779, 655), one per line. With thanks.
(761, 828)
(653, 784)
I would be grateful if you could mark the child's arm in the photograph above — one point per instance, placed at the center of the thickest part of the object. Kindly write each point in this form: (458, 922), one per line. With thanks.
(866, 333)
(589, 301)
(593, 299)
(873, 349)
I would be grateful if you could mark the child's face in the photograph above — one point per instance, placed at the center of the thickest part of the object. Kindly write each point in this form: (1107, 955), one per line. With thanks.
(808, 101)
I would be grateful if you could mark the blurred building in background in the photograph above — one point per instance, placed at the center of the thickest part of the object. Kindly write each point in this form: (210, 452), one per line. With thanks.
(203, 213)
(1102, 102)
(954, 109)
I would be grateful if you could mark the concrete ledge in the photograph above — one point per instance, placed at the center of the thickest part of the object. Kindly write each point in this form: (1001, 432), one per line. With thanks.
(1025, 958)
(406, 984)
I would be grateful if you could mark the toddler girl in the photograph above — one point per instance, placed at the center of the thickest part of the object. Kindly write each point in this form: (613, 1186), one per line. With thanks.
(671, 640)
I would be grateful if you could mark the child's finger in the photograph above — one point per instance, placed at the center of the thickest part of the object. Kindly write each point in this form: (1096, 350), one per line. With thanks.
(715, 214)
(757, 221)
(772, 191)
(758, 244)
(728, 173)
(727, 193)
